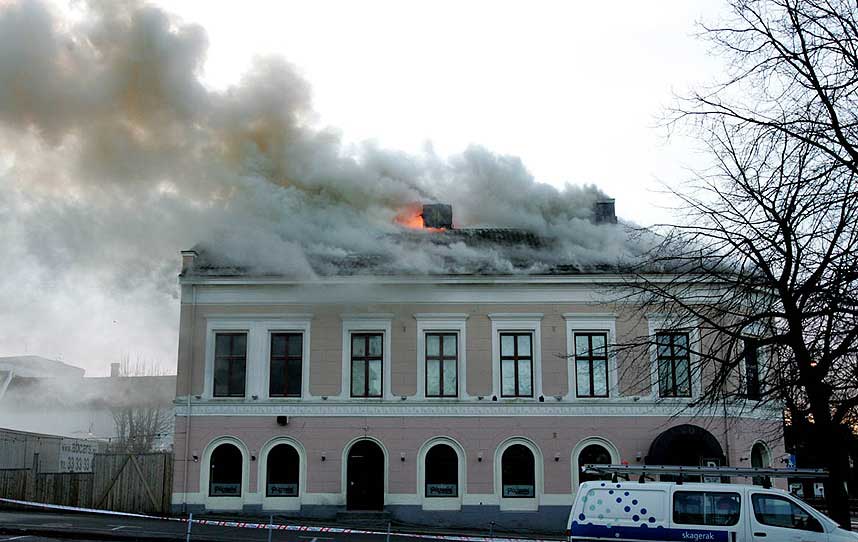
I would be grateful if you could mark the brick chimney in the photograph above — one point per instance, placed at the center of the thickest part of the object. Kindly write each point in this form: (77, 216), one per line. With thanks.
(604, 212)
(114, 370)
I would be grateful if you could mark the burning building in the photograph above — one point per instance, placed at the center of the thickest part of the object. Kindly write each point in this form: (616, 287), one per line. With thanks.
(463, 387)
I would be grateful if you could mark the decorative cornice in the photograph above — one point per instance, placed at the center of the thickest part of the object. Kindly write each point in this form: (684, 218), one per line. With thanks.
(610, 408)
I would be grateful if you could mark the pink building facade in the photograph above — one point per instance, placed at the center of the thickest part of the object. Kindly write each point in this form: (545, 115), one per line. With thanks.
(441, 400)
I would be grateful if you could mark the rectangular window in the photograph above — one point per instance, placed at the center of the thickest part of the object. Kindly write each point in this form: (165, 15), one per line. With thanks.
(441, 364)
(591, 364)
(285, 365)
(706, 508)
(752, 369)
(516, 358)
(229, 364)
(366, 364)
(674, 364)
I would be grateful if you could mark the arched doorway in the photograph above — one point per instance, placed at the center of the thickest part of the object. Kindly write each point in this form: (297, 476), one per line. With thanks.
(365, 476)
(686, 445)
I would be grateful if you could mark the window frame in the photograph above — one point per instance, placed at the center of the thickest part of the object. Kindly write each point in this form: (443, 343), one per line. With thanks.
(756, 494)
(673, 511)
(673, 358)
(426, 494)
(513, 322)
(591, 359)
(299, 487)
(365, 323)
(230, 362)
(367, 358)
(595, 322)
(442, 323)
(441, 359)
(286, 359)
(751, 344)
(209, 467)
(515, 359)
(658, 322)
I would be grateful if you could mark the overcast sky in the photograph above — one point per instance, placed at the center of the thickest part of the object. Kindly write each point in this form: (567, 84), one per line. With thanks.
(575, 89)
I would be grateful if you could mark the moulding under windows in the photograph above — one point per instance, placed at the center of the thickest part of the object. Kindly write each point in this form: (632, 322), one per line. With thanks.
(471, 408)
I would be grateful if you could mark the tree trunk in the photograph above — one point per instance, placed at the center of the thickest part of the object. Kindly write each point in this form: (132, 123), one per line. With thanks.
(828, 439)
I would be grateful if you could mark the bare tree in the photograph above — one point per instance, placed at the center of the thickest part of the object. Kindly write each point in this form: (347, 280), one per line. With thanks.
(140, 421)
(764, 260)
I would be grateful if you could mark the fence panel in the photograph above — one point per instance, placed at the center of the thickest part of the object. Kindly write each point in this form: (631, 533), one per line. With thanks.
(133, 482)
(13, 483)
(66, 488)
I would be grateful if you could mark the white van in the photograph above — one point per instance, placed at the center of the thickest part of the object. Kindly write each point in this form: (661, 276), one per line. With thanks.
(709, 512)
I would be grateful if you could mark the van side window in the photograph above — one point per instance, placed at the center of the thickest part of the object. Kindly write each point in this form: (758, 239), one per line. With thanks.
(781, 512)
(706, 508)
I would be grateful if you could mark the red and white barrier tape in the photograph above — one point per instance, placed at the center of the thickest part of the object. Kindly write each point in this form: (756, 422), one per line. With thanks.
(272, 526)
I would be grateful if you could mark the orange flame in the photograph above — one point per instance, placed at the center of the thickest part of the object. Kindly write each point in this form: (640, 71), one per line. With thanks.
(412, 217)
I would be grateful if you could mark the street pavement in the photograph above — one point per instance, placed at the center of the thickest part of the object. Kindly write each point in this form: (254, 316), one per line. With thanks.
(33, 526)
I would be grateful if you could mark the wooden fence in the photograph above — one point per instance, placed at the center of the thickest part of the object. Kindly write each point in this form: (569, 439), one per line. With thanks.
(140, 483)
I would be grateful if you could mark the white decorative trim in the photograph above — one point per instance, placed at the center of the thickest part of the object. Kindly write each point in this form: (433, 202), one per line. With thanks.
(525, 322)
(427, 322)
(224, 503)
(352, 408)
(590, 322)
(538, 465)
(366, 323)
(281, 503)
(442, 503)
(583, 443)
(293, 325)
(258, 330)
(657, 322)
(766, 449)
(344, 467)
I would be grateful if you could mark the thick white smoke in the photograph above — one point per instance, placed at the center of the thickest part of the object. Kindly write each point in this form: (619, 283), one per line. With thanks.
(114, 156)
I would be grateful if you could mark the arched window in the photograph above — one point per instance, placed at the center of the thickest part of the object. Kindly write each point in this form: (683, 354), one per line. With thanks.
(282, 470)
(442, 471)
(225, 468)
(760, 458)
(593, 454)
(518, 475)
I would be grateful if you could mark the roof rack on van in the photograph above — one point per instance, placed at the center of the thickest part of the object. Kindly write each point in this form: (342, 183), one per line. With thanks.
(642, 471)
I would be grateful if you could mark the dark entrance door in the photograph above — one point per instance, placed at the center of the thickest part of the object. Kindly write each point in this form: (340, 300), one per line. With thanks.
(365, 477)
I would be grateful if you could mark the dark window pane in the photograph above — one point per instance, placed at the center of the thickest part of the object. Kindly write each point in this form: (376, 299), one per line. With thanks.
(278, 344)
(706, 508)
(239, 344)
(442, 472)
(293, 378)
(225, 471)
(223, 344)
(277, 383)
(518, 476)
(236, 379)
(221, 377)
(593, 454)
(296, 345)
(781, 512)
(283, 468)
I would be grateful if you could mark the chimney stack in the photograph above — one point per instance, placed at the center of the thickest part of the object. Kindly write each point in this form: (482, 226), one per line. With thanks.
(188, 257)
(438, 215)
(604, 212)
(114, 370)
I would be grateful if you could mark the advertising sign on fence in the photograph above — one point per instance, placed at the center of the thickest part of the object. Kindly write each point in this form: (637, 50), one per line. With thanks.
(76, 455)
